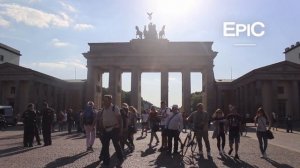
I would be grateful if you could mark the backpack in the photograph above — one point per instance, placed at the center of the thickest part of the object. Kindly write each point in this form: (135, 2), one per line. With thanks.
(88, 115)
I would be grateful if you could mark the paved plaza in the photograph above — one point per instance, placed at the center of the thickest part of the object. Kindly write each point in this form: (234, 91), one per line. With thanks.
(68, 150)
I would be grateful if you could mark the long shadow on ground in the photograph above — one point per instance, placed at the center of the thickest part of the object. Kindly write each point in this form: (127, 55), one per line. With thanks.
(16, 150)
(65, 160)
(230, 162)
(278, 165)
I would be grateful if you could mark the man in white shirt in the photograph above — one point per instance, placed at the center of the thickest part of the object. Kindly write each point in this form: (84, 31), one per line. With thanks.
(110, 122)
(174, 126)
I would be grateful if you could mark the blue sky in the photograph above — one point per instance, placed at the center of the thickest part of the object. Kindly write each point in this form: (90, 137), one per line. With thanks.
(52, 34)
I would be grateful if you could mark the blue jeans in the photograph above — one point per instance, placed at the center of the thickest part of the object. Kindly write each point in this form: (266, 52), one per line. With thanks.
(263, 141)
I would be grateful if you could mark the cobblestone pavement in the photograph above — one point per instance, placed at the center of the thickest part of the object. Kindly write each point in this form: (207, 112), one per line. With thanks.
(68, 150)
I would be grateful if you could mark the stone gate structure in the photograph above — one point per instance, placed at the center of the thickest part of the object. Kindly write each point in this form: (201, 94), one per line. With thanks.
(145, 55)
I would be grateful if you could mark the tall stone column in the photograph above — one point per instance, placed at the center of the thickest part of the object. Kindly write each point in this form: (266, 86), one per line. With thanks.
(91, 86)
(31, 92)
(17, 103)
(296, 101)
(98, 89)
(136, 89)
(115, 85)
(186, 91)
(274, 86)
(209, 90)
(1, 92)
(164, 87)
(258, 93)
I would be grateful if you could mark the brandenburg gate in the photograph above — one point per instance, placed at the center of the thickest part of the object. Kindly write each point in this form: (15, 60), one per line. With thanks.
(150, 55)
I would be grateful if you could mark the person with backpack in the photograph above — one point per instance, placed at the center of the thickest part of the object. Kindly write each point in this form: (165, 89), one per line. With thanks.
(234, 121)
(261, 121)
(110, 127)
(89, 123)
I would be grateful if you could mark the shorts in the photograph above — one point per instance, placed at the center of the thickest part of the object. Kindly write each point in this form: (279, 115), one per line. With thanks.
(234, 138)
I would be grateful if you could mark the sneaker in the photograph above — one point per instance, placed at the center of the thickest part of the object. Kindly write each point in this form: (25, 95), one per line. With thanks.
(236, 156)
(265, 155)
(230, 151)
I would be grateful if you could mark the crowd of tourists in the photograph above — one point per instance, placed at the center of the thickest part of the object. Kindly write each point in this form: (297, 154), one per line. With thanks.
(119, 125)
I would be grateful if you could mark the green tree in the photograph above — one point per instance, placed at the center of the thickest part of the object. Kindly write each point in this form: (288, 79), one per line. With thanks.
(196, 98)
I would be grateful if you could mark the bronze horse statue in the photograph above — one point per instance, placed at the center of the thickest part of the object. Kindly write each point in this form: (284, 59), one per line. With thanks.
(139, 34)
(162, 32)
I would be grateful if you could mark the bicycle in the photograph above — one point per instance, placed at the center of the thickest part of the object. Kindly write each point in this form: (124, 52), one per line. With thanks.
(189, 142)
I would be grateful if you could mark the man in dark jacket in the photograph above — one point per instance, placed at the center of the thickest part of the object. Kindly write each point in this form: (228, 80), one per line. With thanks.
(29, 120)
(47, 119)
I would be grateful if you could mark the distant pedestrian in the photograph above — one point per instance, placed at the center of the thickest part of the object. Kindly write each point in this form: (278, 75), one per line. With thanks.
(234, 125)
(145, 123)
(89, 122)
(174, 126)
(275, 121)
(29, 120)
(39, 121)
(219, 129)
(47, 119)
(154, 125)
(289, 124)
(70, 120)
(261, 121)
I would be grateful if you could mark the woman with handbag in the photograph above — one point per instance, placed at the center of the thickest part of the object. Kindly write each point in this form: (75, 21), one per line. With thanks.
(261, 131)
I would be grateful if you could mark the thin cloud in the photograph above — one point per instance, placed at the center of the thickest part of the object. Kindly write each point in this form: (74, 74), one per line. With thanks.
(34, 1)
(4, 23)
(58, 43)
(81, 27)
(58, 65)
(67, 6)
(35, 17)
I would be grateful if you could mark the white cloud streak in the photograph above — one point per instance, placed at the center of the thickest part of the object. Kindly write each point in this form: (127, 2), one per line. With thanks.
(60, 65)
(67, 6)
(4, 23)
(58, 43)
(35, 17)
(81, 27)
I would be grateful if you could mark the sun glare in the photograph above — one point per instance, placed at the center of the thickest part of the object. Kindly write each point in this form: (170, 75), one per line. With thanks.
(175, 7)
